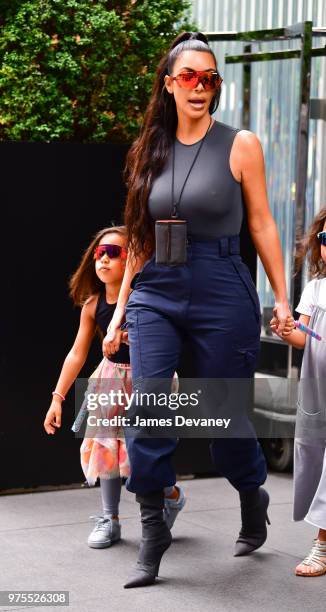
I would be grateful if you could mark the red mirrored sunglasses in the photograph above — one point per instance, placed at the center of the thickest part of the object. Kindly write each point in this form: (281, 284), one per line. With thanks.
(189, 80)
(111, 250)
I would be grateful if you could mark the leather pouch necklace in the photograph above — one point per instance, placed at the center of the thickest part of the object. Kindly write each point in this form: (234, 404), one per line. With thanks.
(171, 234)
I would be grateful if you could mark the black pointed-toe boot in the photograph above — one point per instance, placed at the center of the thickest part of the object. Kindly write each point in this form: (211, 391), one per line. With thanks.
(156, 539)
(254, 516)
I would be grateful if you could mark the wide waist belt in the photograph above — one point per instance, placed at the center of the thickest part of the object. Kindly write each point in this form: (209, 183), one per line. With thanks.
(227, 245)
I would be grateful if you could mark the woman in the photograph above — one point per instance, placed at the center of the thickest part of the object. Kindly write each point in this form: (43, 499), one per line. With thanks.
(210, 299)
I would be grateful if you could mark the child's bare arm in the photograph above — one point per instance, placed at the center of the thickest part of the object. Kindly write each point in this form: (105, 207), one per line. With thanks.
(291, 335)
(73, 363)
(77, 355)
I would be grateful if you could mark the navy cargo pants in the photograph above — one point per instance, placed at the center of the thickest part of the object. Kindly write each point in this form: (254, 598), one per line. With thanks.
(212, 301)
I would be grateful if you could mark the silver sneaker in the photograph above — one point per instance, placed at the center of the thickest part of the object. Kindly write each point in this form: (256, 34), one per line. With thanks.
(105, 532)
(172, 507)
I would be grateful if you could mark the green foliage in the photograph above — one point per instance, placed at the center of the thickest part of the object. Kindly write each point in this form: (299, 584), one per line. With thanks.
(81, 70)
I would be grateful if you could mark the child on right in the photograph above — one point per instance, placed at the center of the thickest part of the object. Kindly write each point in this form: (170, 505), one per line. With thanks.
(310, 438)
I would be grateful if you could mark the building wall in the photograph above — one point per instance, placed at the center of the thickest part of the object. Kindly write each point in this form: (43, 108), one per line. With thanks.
(274, 105)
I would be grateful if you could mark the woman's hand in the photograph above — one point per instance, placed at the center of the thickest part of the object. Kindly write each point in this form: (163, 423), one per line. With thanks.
(53, 416)
(281, 312)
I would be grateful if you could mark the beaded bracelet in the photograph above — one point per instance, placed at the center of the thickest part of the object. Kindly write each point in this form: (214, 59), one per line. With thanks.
(60, 395)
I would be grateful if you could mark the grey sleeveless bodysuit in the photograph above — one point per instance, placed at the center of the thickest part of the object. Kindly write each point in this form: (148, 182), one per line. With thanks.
(212, 201)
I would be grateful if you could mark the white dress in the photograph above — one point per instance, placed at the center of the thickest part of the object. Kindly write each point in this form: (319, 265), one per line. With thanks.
(310, 435)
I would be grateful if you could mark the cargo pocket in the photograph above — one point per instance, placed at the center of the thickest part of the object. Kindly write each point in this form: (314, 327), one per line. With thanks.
(250, 356)
(245, 361)
(243, 271)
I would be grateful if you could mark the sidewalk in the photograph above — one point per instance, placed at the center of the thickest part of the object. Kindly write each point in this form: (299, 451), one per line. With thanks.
(43, 547)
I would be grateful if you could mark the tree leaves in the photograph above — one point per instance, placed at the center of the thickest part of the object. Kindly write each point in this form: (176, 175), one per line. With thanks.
(82, 70)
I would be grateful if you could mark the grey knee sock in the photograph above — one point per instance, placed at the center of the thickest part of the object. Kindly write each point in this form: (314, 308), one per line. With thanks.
(110, 491)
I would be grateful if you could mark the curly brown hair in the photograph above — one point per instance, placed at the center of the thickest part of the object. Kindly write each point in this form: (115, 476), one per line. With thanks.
(310, 244)
(84, 282)
(148, 153)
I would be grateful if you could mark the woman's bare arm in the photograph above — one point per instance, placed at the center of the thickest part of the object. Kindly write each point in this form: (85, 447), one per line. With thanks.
(247, 160)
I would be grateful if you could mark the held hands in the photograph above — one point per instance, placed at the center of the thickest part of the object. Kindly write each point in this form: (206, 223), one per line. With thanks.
(115, 335)
(112, 340)
(288, 327)
(282, 313)
(53, 416)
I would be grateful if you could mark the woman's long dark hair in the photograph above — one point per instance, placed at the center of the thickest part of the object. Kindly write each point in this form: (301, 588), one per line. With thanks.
(148, 153)
(311, 245)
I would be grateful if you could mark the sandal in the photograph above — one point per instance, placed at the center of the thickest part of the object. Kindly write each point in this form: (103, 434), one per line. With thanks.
(314, 560)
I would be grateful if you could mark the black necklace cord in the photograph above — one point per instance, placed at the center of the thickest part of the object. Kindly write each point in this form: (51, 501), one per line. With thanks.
(174, 213)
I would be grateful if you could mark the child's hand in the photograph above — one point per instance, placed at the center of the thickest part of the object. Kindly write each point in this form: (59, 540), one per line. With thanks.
(53, 417)
(288, 328)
